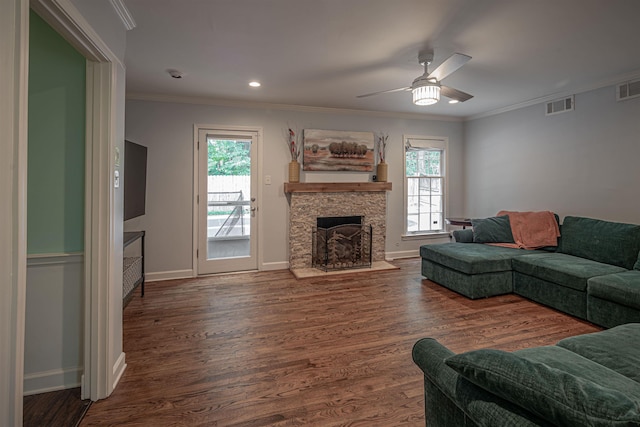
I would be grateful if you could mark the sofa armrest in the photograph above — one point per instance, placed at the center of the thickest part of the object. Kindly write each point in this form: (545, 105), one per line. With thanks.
(476, 405)
(463, 236)
(430, 355)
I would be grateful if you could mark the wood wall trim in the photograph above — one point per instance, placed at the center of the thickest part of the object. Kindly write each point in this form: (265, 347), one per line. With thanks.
(335, 187)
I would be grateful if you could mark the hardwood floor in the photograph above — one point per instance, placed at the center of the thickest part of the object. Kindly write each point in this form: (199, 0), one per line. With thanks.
(265, 349)
(62, 408)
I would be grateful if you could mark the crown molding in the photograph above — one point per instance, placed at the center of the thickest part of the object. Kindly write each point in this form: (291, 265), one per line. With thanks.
(124, 14)
(284, 107)
(558, 95)
(64, 17)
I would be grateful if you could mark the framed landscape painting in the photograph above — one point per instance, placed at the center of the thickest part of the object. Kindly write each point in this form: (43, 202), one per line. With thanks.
(331, 150)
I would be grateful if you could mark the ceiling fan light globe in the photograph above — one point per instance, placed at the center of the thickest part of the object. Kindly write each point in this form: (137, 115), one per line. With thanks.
(426, 95)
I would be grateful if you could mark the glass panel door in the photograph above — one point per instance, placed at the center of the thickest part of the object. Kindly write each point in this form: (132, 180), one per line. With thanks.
(227, 201)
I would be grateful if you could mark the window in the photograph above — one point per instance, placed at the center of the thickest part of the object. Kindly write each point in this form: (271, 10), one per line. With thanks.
(425, 167)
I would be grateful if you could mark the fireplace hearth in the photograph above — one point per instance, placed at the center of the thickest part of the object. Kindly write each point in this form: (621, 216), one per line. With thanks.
(340, 243)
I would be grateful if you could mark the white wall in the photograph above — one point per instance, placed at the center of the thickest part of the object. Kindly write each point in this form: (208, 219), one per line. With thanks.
(105, 21)
(167, 130)
(54, 323)
(583, 162)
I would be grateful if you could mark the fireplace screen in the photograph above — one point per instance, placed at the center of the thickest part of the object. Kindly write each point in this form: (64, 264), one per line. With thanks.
(341, 243)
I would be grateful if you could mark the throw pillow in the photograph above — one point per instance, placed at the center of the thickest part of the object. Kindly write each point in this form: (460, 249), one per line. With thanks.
(496, 229)
(463, 236)
(555, 395)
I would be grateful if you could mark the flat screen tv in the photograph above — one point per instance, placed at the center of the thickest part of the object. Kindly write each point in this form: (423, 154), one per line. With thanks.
(135, 179)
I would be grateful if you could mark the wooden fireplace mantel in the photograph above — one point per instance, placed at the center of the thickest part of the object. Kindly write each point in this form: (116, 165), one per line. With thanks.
(335, 187)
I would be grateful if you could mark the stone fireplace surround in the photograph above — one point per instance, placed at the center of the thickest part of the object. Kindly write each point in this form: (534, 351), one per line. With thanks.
(308, 201)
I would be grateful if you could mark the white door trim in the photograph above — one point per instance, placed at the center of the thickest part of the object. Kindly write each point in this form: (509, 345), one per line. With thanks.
(14, 51)
(102, 301)
(14, 31)
(196, 130)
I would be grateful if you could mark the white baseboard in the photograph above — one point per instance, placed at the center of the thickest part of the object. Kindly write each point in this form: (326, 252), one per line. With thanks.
(187, 274)
(269, 266)
(168, 275)
(390, 256)
(54, 380)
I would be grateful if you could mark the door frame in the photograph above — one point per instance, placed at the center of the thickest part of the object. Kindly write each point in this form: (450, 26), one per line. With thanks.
(14, 49)
(100, 373)
(196, 190)
(104, 363)
(214, 265)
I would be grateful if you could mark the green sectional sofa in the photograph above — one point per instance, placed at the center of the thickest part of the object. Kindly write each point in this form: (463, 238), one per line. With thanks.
(587, 380)
(593, 274)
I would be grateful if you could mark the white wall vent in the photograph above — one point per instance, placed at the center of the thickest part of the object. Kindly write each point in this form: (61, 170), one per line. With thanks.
(628, 90)
(560, 106)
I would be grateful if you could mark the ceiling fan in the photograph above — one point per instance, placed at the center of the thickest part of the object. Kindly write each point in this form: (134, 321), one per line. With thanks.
(427, 88)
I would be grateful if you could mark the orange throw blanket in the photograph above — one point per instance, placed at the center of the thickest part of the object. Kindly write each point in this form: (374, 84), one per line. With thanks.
(532, 230)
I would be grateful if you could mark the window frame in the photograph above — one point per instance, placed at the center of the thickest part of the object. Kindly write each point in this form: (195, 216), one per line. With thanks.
(427, 143)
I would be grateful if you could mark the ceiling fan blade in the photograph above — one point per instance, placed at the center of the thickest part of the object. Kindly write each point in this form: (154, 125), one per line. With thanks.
(450, 65)
(384, 91)
(455, 94)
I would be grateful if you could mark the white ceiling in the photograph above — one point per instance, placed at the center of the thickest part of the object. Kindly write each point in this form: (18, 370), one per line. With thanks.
(323, 53)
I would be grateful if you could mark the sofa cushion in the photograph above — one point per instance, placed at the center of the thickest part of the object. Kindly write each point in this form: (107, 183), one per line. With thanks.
(616, 348)
(576, 364)
(470, 258)
(603, 241)
(463, 236)
(621, 288)
(554, 394)
(495, 229)
(566, 270)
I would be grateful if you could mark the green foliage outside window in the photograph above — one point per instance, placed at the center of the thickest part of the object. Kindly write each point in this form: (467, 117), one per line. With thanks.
(229, 157)
(424, 163)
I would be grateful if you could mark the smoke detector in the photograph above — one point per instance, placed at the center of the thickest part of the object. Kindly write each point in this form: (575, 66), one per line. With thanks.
(176, 74)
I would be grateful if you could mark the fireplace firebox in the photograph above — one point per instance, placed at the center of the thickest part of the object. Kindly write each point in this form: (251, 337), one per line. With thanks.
(341, 243)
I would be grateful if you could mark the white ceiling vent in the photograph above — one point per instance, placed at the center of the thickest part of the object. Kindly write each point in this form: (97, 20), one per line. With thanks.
(628, 90)
(560, 106)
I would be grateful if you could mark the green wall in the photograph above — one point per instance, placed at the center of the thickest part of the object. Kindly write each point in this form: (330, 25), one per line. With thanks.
(55, 188)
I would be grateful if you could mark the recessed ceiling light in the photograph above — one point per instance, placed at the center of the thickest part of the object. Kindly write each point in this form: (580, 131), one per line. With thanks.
(453, 101)
(254, 84)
